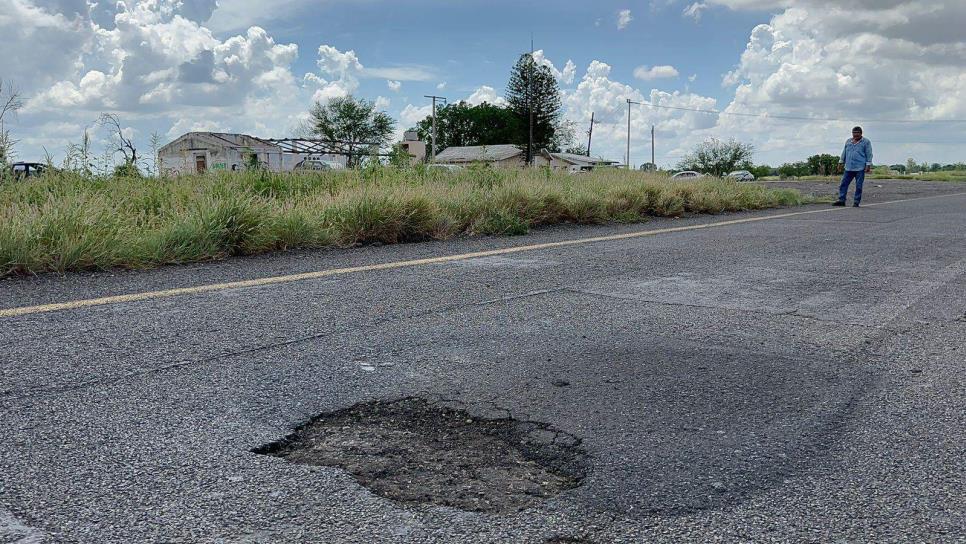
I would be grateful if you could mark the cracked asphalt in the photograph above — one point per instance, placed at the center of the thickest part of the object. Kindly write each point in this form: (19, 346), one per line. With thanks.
(799, 379)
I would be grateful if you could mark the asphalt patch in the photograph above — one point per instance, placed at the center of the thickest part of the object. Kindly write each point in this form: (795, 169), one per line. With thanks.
(416, 452)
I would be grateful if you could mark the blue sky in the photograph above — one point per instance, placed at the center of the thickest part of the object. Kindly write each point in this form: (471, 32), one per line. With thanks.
(170, 66)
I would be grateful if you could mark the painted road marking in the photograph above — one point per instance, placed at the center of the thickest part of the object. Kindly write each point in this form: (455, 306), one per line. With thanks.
(151, 295)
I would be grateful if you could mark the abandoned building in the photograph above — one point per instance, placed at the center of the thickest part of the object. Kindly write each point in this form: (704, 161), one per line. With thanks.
(197, 152)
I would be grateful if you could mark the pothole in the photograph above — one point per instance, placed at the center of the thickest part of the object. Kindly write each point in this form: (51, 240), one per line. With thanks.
(415, 452)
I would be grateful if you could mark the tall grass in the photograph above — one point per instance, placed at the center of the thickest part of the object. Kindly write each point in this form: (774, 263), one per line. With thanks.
(64, 222)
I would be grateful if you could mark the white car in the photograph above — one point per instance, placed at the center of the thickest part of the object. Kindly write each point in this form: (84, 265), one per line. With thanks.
(687, 174)
(741, 175)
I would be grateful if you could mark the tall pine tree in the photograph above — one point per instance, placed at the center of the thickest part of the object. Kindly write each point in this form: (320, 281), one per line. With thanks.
(532, 91)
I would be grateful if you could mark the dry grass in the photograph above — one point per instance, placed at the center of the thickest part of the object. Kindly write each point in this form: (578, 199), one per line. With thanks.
(65, 222)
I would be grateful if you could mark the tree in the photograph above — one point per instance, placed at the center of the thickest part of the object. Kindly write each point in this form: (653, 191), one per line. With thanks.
(533, 93)
(352, 126)
(10, 102)
(716, 157)
(901, 168)
(822, 165)
(461, 124)
(761, 171)
(911, 165)
(793, 169)
(119, 143)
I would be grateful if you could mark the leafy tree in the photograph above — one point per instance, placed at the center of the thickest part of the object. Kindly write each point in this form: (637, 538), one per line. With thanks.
(352, 126)
(461, 124)
(716, 157)
(760, 171)
(911, 165)
(533, 92)
(822, 165)
(794, 169)
(901, 168)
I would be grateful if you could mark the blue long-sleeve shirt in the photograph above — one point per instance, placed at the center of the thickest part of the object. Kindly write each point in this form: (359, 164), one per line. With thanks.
(857, 155)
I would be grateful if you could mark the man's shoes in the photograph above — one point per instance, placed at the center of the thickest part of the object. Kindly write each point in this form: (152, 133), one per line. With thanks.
(855, 205)
(839, 203)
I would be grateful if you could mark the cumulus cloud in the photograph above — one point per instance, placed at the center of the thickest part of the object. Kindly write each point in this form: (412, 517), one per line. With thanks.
(624, 18)
(871, 61)
(565, 76)
(382, 102)
(485, 94)
(646, 73)
(394, 86)
(606, 98)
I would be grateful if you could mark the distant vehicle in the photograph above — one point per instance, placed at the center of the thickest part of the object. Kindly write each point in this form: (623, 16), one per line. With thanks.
(580, 168)
(688, 174)
(318, 165)
(444, 167)
(741, 175)
(27, 169)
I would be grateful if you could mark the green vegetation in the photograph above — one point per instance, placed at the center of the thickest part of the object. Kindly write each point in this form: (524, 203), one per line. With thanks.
(66, 221)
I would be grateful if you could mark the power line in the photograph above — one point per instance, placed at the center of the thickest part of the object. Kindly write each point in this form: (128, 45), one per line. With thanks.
(801, 118)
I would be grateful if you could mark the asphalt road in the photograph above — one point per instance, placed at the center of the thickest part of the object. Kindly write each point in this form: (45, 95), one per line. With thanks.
(790, 379)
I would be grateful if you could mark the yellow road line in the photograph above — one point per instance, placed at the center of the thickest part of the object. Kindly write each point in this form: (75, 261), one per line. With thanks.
(150, 295)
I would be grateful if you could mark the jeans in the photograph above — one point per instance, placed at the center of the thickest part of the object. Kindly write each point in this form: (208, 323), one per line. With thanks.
(859, 177)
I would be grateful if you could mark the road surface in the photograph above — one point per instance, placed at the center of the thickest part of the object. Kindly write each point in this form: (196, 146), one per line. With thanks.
(785, 375)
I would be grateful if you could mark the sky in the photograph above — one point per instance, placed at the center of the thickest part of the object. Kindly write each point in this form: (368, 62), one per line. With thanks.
(166, 67)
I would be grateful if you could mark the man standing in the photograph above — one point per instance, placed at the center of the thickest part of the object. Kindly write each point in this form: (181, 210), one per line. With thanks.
(857, 161)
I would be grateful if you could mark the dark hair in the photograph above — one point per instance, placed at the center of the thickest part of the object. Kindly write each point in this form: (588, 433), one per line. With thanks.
(857, 129)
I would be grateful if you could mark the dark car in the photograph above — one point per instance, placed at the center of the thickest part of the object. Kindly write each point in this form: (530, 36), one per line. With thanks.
(27, 169)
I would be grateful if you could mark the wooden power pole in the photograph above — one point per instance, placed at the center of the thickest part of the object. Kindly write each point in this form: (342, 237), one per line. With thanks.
(590, 133)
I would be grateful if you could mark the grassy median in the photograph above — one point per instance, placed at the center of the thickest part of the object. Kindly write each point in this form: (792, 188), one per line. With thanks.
(62, 222)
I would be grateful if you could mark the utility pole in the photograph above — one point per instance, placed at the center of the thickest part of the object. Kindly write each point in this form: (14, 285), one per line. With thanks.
(629, 102)
(653, 165)
(590, 133)
(435, 98)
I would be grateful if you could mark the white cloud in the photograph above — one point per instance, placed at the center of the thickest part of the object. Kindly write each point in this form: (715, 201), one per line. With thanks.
(624, 18)
(485, 94)
(394, 86)
(694, 10)
(607, 99)
(569, 72)
(441, 86)
(645, 73)
(566, 76)
(410, 115)
(382, 103)
(401, 73)
(871, 60)
(692, 78)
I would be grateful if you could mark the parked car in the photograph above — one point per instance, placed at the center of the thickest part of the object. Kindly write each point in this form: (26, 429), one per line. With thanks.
(741, 175)
(687, 174)
(27, 169)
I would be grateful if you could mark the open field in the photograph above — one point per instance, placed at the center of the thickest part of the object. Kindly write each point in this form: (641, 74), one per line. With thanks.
(65, 222)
